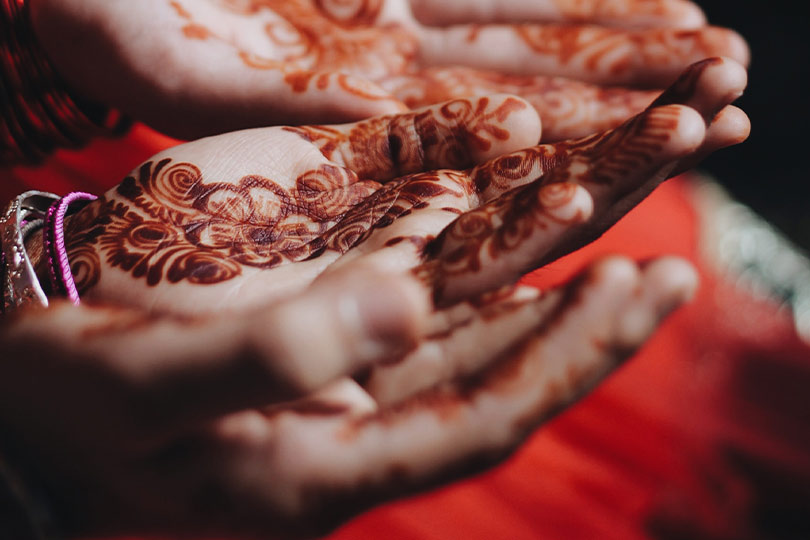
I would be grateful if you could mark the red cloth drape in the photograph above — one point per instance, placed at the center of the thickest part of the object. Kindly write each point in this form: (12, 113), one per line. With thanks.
(702, 435)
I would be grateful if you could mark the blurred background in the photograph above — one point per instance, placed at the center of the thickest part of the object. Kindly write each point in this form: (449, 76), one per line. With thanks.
(769, 172)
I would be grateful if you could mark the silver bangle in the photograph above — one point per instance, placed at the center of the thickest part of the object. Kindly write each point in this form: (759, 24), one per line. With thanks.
(23, 216)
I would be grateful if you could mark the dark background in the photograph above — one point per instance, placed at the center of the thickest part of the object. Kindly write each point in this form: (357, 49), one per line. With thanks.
(770, 171)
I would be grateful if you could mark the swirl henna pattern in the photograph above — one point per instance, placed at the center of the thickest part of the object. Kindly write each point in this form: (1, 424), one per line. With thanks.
(569, 108)
(450, 136)
(167, 223)
(463, 229)
(378, 52)
(302, 37)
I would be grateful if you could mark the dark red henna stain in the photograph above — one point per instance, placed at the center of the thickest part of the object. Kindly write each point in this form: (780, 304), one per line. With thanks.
(391, 146)
(167, 223)
(492, 231)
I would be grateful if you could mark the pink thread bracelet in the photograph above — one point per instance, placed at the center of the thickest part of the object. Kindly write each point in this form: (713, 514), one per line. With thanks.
(62, 281)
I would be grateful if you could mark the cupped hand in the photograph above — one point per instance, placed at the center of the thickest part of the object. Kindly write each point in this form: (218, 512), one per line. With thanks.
(196, 67)
(455, 193)
(395, 355)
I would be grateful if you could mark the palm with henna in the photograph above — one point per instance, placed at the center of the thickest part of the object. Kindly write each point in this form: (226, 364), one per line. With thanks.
(337, 313)
(196, 67)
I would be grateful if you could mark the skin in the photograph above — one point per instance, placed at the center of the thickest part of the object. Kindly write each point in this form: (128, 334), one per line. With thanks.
(196, 67)
(398, 240)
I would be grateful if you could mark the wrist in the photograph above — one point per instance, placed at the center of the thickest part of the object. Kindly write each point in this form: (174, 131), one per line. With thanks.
(34, 263)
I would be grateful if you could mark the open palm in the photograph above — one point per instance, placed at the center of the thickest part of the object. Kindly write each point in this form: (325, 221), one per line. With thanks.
(244, 218)
(196, 67)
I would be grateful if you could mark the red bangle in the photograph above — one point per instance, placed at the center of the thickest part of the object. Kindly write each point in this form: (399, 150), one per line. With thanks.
(39, 114)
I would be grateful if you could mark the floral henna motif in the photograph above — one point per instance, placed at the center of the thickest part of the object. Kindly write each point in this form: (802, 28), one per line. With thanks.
(167, 223)
(494, 230)
(445, 137)
(568, 108)
(305, 36)
(602, 159)
(616, 52)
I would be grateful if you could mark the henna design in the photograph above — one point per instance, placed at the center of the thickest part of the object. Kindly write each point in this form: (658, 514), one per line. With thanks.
(305, 36)
(615, 52)
(613, 157)
(614, 160)
(605, 158)
(447, 136)
(686, 86)
(167, 223)
(499, 227)
(394, 200)
(612, 11)
(568, 108)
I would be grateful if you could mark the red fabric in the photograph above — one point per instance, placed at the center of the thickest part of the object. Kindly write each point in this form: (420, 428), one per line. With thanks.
(702, 435)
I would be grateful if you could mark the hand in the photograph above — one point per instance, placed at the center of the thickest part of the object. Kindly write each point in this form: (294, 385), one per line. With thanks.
(240, 422)
(196, 67)
(139, 424)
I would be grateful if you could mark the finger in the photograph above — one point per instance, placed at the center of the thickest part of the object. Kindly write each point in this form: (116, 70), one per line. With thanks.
(707, 86)
(642, 152)
(592, 54)
(495, 244)
(455, 134)
(568, 109)
(340, 397)
(623, 13)
(163, 366)
(731, 126)
(462, 340)
(460, 428)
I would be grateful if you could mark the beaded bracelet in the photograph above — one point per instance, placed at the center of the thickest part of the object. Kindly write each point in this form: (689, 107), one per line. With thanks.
(39, 114)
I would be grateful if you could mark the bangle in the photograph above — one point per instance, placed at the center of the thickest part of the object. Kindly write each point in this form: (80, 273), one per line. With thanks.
(39, 114)
(23, 216)
(54, 242)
